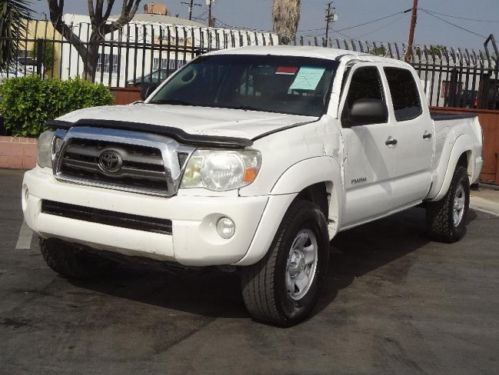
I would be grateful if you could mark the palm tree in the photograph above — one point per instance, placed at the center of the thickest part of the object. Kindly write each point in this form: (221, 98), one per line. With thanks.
(13, 15)
(286, 15)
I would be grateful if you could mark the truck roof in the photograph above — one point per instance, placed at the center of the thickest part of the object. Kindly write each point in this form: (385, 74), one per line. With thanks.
(308, 51)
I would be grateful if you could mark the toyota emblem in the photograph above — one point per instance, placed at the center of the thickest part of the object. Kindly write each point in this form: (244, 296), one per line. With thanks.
(110, 161)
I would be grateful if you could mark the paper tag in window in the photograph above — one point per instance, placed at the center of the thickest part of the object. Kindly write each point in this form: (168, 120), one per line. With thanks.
(307, 78)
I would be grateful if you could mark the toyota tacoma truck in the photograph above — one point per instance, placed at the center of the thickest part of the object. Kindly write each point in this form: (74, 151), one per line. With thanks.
(253, 158)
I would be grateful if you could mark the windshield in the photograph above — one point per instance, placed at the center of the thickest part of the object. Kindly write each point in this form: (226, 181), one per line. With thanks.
(284, 84)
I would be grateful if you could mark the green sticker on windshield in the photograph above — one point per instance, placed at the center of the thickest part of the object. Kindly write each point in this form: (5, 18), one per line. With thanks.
(307, 78)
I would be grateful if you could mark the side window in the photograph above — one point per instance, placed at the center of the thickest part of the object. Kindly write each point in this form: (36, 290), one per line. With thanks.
(405, 94)
(365, 86)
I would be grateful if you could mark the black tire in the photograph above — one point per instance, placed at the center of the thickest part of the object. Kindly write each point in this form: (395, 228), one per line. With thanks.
(440, 215)
(72, 262)
(264, 285)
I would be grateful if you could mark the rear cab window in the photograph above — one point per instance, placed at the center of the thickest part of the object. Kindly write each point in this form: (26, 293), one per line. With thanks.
(404, 92)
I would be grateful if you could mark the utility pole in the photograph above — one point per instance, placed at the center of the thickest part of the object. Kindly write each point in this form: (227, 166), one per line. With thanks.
(210, 16)
(412, 30)
(191, 5)
(330, 17)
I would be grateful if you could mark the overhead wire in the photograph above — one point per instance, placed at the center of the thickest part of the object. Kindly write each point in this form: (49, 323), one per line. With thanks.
(459, 17)
(398, 19)
(240, 27)
(374, 20)
(306, 31)
(360, 24)
(317, 31)
(453, 24)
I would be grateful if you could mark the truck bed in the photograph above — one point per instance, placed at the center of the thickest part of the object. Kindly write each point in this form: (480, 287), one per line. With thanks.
(445, 116)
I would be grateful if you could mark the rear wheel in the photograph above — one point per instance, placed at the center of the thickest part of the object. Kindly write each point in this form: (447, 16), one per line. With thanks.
(71, 261)
(283, 287)
(447, 217)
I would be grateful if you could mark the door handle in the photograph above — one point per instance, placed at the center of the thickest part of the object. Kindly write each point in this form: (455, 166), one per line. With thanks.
(427, 135)
(391, 142)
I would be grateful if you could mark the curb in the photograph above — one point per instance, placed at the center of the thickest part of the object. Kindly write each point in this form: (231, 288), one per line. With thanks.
(485, 205)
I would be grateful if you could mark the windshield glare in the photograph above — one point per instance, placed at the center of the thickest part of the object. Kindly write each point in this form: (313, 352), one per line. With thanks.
(283, 84)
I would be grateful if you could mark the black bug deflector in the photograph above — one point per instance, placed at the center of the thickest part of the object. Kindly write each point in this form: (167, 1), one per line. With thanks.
(178, 134)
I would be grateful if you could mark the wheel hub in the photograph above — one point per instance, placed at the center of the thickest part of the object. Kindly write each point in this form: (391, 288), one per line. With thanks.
(458, 206)
(301, 264)
(296, 263)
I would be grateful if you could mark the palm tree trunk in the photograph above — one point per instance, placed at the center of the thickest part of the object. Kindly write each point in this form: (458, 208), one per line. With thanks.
(286, 16)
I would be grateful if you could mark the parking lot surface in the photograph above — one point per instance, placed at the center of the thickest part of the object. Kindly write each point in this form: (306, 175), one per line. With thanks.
(394, 303)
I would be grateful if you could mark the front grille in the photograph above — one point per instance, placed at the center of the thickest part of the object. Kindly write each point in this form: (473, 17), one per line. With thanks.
(141, 168)
(117, 219)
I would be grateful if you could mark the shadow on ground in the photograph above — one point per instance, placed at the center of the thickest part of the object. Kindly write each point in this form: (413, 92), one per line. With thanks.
(214, 293)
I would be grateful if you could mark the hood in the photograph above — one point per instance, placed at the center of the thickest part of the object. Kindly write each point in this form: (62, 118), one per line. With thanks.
(199, 121)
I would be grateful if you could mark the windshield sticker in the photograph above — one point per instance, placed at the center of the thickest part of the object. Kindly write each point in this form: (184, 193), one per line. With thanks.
(287, 70)
(307, 78)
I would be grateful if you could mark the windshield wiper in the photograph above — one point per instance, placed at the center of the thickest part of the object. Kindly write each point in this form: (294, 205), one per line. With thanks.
(245, 108)
(172, 101)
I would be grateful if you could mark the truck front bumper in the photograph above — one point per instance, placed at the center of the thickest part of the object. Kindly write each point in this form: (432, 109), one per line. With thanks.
(193, 241)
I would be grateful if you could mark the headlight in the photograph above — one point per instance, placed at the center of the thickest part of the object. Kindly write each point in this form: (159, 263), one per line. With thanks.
(221, 170)
(45, 149)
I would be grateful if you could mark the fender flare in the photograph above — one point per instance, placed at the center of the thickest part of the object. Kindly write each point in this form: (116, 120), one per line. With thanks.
(295, 179)
(310, 172)
(461, 146)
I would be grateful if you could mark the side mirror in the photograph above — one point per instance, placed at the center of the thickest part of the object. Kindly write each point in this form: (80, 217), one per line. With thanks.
(147, 90)
(368, 111)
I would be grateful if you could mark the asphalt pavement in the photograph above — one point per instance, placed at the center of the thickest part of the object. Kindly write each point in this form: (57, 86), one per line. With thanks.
(394, 303)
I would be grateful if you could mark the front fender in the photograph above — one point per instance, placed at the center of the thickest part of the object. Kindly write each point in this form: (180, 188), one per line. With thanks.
(310, 172)
(306, 173)
(295, 179)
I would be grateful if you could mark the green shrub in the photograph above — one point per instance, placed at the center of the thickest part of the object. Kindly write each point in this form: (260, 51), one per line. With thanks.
(28, 102)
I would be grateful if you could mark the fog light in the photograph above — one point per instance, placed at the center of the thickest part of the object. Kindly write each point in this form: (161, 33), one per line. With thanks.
(226, 228)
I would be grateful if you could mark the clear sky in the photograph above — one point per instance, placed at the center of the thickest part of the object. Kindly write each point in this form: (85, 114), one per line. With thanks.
(477, 16)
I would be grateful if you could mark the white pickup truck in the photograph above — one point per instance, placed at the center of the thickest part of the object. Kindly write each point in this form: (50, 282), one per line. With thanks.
(253, 158)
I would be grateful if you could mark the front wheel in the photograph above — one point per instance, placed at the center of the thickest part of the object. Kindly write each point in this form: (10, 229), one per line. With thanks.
(283, 287)
(446, 218)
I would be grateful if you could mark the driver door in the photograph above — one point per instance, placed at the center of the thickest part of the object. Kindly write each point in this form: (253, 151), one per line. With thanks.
(369, 158)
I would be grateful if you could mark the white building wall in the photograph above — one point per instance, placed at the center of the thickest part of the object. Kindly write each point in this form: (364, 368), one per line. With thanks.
(138, 47)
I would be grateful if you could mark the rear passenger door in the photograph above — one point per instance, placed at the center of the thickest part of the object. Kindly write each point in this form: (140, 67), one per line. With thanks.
(387, 161)
(414, 134)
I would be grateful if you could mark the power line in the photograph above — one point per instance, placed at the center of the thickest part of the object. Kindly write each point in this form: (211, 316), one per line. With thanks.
(344, 35)
(453, 24)
(382, 27)
(458, 17)
(359, 25)
(243, 28)
(306, 31)
(375, 20)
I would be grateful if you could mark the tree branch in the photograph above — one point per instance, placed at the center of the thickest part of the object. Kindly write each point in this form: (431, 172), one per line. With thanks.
(56, 9)
(110, 4)
(91, 11)
(127, 13)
